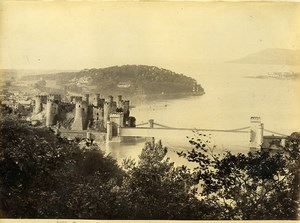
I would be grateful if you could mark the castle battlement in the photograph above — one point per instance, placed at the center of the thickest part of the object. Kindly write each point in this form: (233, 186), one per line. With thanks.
(41, 96)
(120, 98)
(54, 96)
(88, 111)
(110, 98)
(255, 119)
(78, 99)
(86, 98)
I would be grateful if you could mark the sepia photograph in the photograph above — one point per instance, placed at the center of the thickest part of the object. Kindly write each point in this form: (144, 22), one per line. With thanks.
(143, 110)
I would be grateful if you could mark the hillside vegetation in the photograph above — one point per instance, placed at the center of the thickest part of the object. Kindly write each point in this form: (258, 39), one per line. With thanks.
(45, 176)
(139, 79)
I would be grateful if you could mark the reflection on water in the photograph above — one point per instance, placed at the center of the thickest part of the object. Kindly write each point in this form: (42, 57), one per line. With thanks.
(177, 142)
(121, 151)
(132, 150)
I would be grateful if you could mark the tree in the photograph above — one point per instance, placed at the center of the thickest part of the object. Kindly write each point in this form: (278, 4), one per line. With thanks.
(156, 189)
(248, 186)
(45, 176)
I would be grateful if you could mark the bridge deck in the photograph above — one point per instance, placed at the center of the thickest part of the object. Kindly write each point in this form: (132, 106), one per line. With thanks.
(153, 132)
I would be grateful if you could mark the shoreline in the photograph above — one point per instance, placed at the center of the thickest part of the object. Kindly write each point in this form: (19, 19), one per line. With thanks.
(137, 99)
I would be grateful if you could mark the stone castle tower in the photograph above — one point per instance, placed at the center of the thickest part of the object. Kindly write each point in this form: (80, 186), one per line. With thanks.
(110, 106)
(89, 112)
(52, 109)
(95, 100)
(81, 114)
(40, 101)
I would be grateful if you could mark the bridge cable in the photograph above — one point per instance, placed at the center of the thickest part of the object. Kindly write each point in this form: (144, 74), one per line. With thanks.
(220, 130)
(239, 129)
(212, 130)
(164, 126)
(277, 133)
(230, 130)
(145, 123)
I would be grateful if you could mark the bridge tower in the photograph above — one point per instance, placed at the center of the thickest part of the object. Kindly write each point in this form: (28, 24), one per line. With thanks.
(108, 131)
(256, 134)
(116, 122)
(151, 123)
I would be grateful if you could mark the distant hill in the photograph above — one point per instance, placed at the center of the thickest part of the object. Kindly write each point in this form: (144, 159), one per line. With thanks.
(127, 80)
(272, 56)
(19, 73)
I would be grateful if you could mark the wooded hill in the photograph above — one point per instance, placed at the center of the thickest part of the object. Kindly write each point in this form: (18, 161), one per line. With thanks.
(126, 79)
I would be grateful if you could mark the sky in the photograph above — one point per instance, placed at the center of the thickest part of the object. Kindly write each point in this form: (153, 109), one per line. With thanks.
(172, 35)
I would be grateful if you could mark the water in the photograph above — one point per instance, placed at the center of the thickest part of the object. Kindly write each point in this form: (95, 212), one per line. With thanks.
(229, 102)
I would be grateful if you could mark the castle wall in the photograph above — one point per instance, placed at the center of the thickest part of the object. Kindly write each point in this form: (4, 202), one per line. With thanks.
(83, 113)
(54, 97)
(97, 113)
(65, 114)
(96, 119)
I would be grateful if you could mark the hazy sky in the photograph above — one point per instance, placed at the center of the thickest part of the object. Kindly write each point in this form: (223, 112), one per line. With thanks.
(76, 35)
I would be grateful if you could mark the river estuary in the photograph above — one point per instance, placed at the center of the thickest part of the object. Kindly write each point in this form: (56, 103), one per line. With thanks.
(229, 101)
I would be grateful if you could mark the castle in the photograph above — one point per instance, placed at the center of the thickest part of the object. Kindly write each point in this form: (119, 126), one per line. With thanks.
(79, 113)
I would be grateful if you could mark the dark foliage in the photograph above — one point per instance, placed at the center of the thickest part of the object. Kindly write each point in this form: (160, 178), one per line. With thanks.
(156, 189)
(44, 176)
(248, 186)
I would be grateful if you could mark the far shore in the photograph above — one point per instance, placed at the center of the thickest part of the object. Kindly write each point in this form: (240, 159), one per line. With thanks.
(137, 99)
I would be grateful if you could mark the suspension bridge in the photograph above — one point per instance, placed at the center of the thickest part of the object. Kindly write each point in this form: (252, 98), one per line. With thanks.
(150, 129)
(147, 129)
(255, 130)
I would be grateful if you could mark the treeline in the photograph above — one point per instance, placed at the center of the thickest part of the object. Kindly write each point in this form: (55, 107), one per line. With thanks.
(151, 79)
(45, 176)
